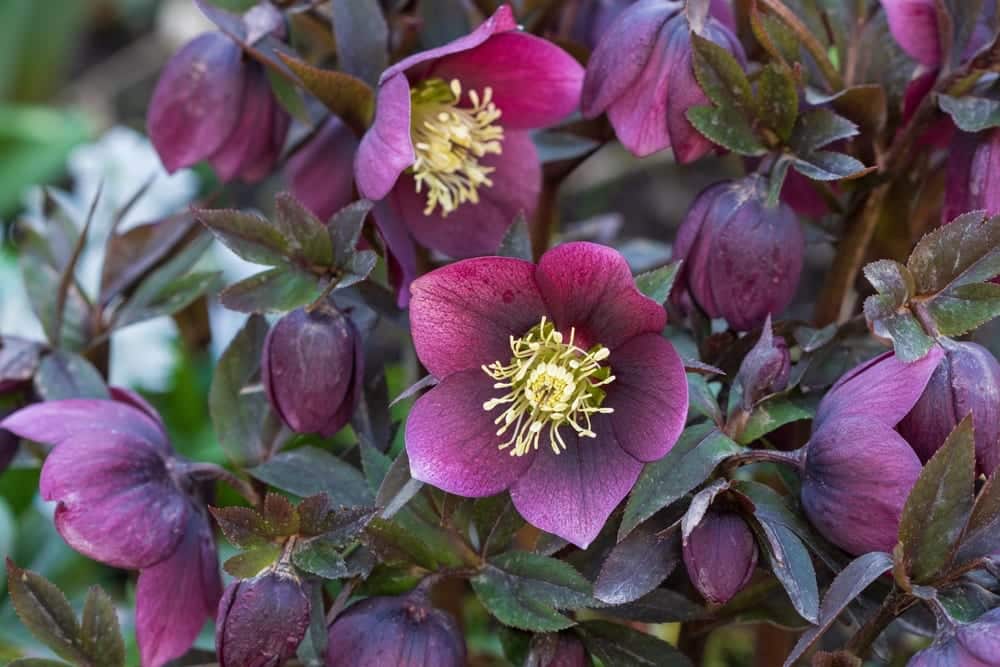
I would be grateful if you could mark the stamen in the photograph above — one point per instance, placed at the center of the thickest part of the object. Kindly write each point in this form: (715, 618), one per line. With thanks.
(450, 140)
(551, 383)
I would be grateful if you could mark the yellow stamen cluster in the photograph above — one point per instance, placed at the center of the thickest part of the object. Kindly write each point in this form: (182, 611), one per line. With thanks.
(550, 382)
(449, 142)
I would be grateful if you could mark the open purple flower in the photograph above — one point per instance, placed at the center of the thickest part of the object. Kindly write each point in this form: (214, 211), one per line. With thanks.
(720, 556)
(975, 644)
(450, 149)
(124, 499)
(556, 384)
(641, 74)
(858, 471)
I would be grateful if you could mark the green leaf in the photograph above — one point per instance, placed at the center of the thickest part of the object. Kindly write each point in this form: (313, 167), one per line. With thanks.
(252, 237)
(249, 564)
(308, 239)
(657, 283)
(45, 611)
(720, 75)
(830, 166)
(62, 375)
(698, 451)
(981, 535)
(820, 127)
(307, 471)
(891, 279)
(774, 35)
(362, 38)
(169, 299)
(769, 416)
(321, 557)
(971, 114)
(238, 408)
(496, 521)
(777, 100)
(636, 566)
(701, 399)
(397, 488)
(394, 542)
(243, 527)
(523, 590)
(516, 241)
(100, 634)
(939, 505)
(962, 252)
(848, 584)
(728, 128)
(909, 340)
(963, 309)
(277, 290)
(348, 97)
(791, 564)
(621, 646)
(41, 282)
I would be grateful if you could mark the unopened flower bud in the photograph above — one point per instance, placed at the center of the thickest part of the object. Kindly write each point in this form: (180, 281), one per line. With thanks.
(720, 555)
(765, 369)
(966, 381)
(312, 370)
(400, 631)
(975, 644)
(261, 621)
(742, 258)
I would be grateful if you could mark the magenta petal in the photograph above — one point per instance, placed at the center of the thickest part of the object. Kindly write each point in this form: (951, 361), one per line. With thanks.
(463, 314)
(914, 26)
(174, 598)
(452, 441)
(478, 229)
(882, 390)
(117, 501)
(322, 172)
(135, 400)
(572, 494)
(386, 149)
(535, 83)
(501, 21)
(196, 104)
(400, 248)
(590, 287)
(56, 422)
(649, 396)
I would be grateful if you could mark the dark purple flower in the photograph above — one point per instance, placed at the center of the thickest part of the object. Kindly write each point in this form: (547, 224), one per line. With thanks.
(400, 631)
(124, 499)
(261, 621)
(321, 173)
(561, 650)
(966, 381)
(858, 471)
(742, 258)
(450, 149)
(312, 369)
(641, 75)
(556, 383)
(975, 644)
(914, 26)
(973, 160)
(213, 103)
(592, 18)
(720, 555)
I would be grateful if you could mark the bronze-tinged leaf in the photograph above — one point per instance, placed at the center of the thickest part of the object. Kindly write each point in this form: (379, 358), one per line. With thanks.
(350, 98)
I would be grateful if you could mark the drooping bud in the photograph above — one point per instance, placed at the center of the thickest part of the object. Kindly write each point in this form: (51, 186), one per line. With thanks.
(765, 369)
(973, 160)
(742, 258)
(312, 369)
(720, 555)
(321, 173)
(261, 621)
(975, 644)
(400, 631)
(641, 74)
(967, 380)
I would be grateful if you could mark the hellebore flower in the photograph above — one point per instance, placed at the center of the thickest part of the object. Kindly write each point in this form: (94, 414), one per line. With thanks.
(858, 471)
(720, 555)
(261, 621)
(641, 73)
(213, 103)
(973, 160)
(321, 173)
(561, 650)
(914, 26)
(742, 258)
(556, 384)
(592, 18)
(975, 644)
(124, 499)
(450, 149)
(967, 380)
(312, 369)
(400, 631)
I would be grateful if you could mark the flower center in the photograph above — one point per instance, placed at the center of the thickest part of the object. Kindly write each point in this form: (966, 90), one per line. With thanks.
(449, 141)
(550, 382)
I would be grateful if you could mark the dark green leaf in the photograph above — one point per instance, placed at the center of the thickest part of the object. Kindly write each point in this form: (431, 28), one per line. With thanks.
(308, 240)
(701, 399)
(345, 230)
(63, 375)
(362, 38)
(971, 114)
(169, 299)
(661, 605)
(791, 564)
(891, 279)
(728, 128)
(249, 564)
(321, 557)
(770, 415)
(939, 506)
(962, 252)
(277, 290)
(516, 241)
(777, 100)
(964, 308)
(45, 611)
(242, 526)
(657, 283)
(41, 282)
(621, 646)
(37, 662)
(237, 407)
(397, 488)
(307, 471)
(636, 566)
(312, 650)
(830, 166)
(348, 97)
(496, 521)
(981, 536)
(848, 584)
(393, 542)
(99, 632)
(819, 127)
(720, 75)
(908, 337)
(774, 35)
(700, 449)
(252, 237)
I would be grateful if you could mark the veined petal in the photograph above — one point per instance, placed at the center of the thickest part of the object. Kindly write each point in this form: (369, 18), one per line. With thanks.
(386, 149)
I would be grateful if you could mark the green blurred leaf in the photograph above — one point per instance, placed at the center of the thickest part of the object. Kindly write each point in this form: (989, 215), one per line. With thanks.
(771, 415)
(100, 634)
(971, 114)
(791, 564)
(277, 290)
(321, 557)
(442, 21)
(819, 127)
(307, 471)
(516, 241)
(981, 534)
(63, 375)
(830, 166)
(657, 283)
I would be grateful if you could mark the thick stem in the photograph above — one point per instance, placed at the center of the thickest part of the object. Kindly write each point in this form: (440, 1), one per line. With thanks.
(796, 458)
(809, 41)
(892, 606)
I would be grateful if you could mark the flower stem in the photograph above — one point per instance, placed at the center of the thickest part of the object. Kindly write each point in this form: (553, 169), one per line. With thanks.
(895, 604)
(809, 41)
(211, 471)
(795, 458)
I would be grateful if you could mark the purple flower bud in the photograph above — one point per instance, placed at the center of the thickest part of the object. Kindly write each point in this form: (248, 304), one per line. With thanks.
(641, 75)
(967, 380)
(399, 631)
(312, 370)
(742, 258)
(975, 644)
(211, 103)
(913, 24)
(321, 173)
(766, 367)
(261, 621)
(720, 555)
(569, 653)
(973, 160)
